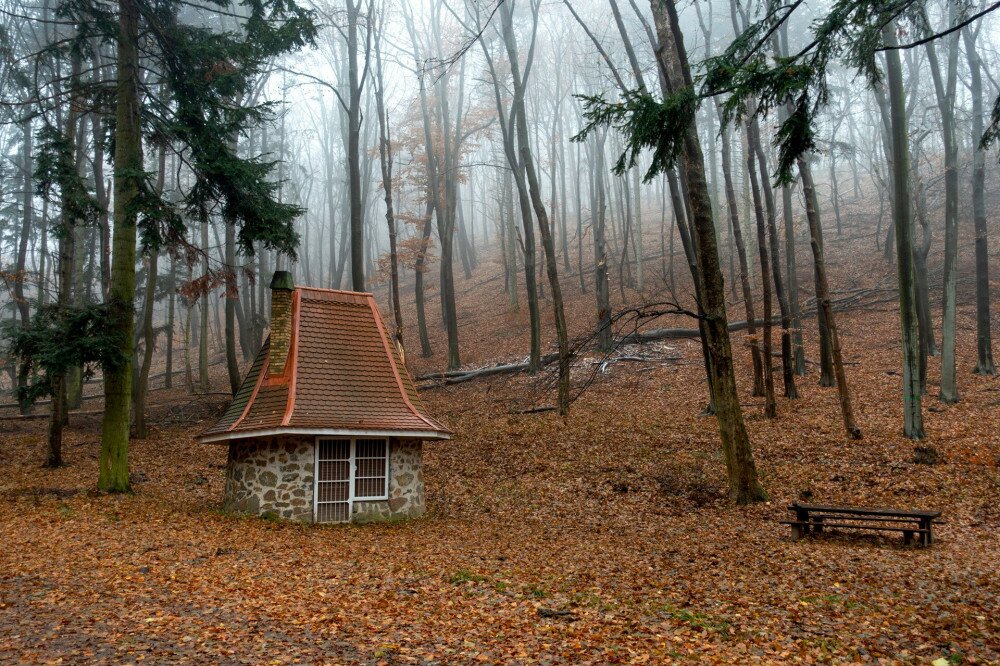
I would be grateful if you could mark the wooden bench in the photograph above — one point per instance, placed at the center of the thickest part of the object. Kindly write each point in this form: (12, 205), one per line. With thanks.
(814, 518)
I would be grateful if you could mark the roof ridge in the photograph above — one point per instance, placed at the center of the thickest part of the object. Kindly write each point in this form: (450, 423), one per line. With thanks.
(335, 291)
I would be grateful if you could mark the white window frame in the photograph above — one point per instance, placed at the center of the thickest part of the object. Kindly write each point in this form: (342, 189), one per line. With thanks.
(352, 467)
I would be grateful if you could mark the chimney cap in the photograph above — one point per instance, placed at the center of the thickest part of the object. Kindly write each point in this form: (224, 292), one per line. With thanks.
(282, 280)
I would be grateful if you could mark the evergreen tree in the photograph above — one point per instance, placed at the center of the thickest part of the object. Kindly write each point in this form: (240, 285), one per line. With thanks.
(185, 101)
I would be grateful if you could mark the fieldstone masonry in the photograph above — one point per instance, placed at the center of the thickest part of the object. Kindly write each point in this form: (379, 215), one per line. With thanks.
(275, 477)
(406, 486)
(271, 476)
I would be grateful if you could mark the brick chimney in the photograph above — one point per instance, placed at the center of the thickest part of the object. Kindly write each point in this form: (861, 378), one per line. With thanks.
(282, 287)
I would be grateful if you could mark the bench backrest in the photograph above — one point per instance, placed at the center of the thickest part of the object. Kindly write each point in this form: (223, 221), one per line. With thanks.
(861, 511)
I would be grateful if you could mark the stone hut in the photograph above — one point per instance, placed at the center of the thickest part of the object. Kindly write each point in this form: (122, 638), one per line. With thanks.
(327, 425)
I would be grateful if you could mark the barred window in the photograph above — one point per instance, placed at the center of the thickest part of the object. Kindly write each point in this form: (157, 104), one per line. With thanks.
(371, 469)
(349, 470)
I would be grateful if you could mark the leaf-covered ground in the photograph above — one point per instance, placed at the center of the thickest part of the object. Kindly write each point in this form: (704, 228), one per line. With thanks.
(604, 539)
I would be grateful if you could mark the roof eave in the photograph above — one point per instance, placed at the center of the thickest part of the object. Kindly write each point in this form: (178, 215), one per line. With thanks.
(217, 438)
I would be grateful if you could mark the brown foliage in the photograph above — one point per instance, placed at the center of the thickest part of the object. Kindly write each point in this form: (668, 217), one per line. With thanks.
(603, 539)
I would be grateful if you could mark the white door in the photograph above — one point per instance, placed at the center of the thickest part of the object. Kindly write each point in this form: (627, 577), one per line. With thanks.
(334, 466)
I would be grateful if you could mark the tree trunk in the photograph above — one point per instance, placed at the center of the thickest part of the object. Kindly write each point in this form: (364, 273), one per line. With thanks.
(741, 253)
(823, 300)
(141, 387)
(912, 416)
(385, 162)
(168, 381)
(793, 281)
(787, 362)
(945, 92)
(113, 459)
(203, 380)
(507, 121)
(770, 404)
(418, 284)
(67, 236)
(232, 294)
(27, 220)
(925, 327)
(355, 83)
(601, 284)
(189, 313)
(826, 371)
(149, 341)
(536, 199)
(742, 472)
(984, 340)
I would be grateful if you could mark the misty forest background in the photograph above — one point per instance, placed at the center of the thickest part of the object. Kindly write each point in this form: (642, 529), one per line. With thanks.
(163, 160)
(662, 268)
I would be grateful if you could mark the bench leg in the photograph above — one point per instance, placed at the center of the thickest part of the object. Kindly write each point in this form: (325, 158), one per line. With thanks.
(907, 537)
(796, 532)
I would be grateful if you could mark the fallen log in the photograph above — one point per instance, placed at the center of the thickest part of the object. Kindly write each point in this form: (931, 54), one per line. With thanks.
(682, 333)
(448, 378)
(533, 410)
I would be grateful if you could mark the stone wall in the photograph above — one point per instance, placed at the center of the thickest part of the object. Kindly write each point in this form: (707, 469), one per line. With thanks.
(274, 476)
(271, 476)
(406, 486)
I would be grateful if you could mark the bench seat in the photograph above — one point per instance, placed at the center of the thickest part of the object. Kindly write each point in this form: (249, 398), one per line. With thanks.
(814, 518)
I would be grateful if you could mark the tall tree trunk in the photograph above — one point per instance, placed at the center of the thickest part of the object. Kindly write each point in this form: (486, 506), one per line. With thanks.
(834, 193)
(67, 237)
(741, 253)
(385, 162)
(925, 326)
(102, 194)
(141, 386)
(445, 227)
(793, 281)
(507, 121)
(231, 297)
(355, 83)
(823, 301)
(508, 241)
(203, 381)
(741, 470)
(189, 313)
(945, 92)
(913, 426)
(770, 404)
(418, 281)
(141, 381)
(43, 256)
(984, 340)
(168, 379)
(787, 363)
(27, 220)
(113, 459)
(447, 221)
(527, 163)
(826, 372)
(602, 288)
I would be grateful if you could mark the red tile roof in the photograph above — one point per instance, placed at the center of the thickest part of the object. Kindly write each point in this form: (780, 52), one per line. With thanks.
(343, 374)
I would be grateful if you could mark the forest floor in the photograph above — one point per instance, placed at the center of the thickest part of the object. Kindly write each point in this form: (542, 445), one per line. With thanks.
(606, 538)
